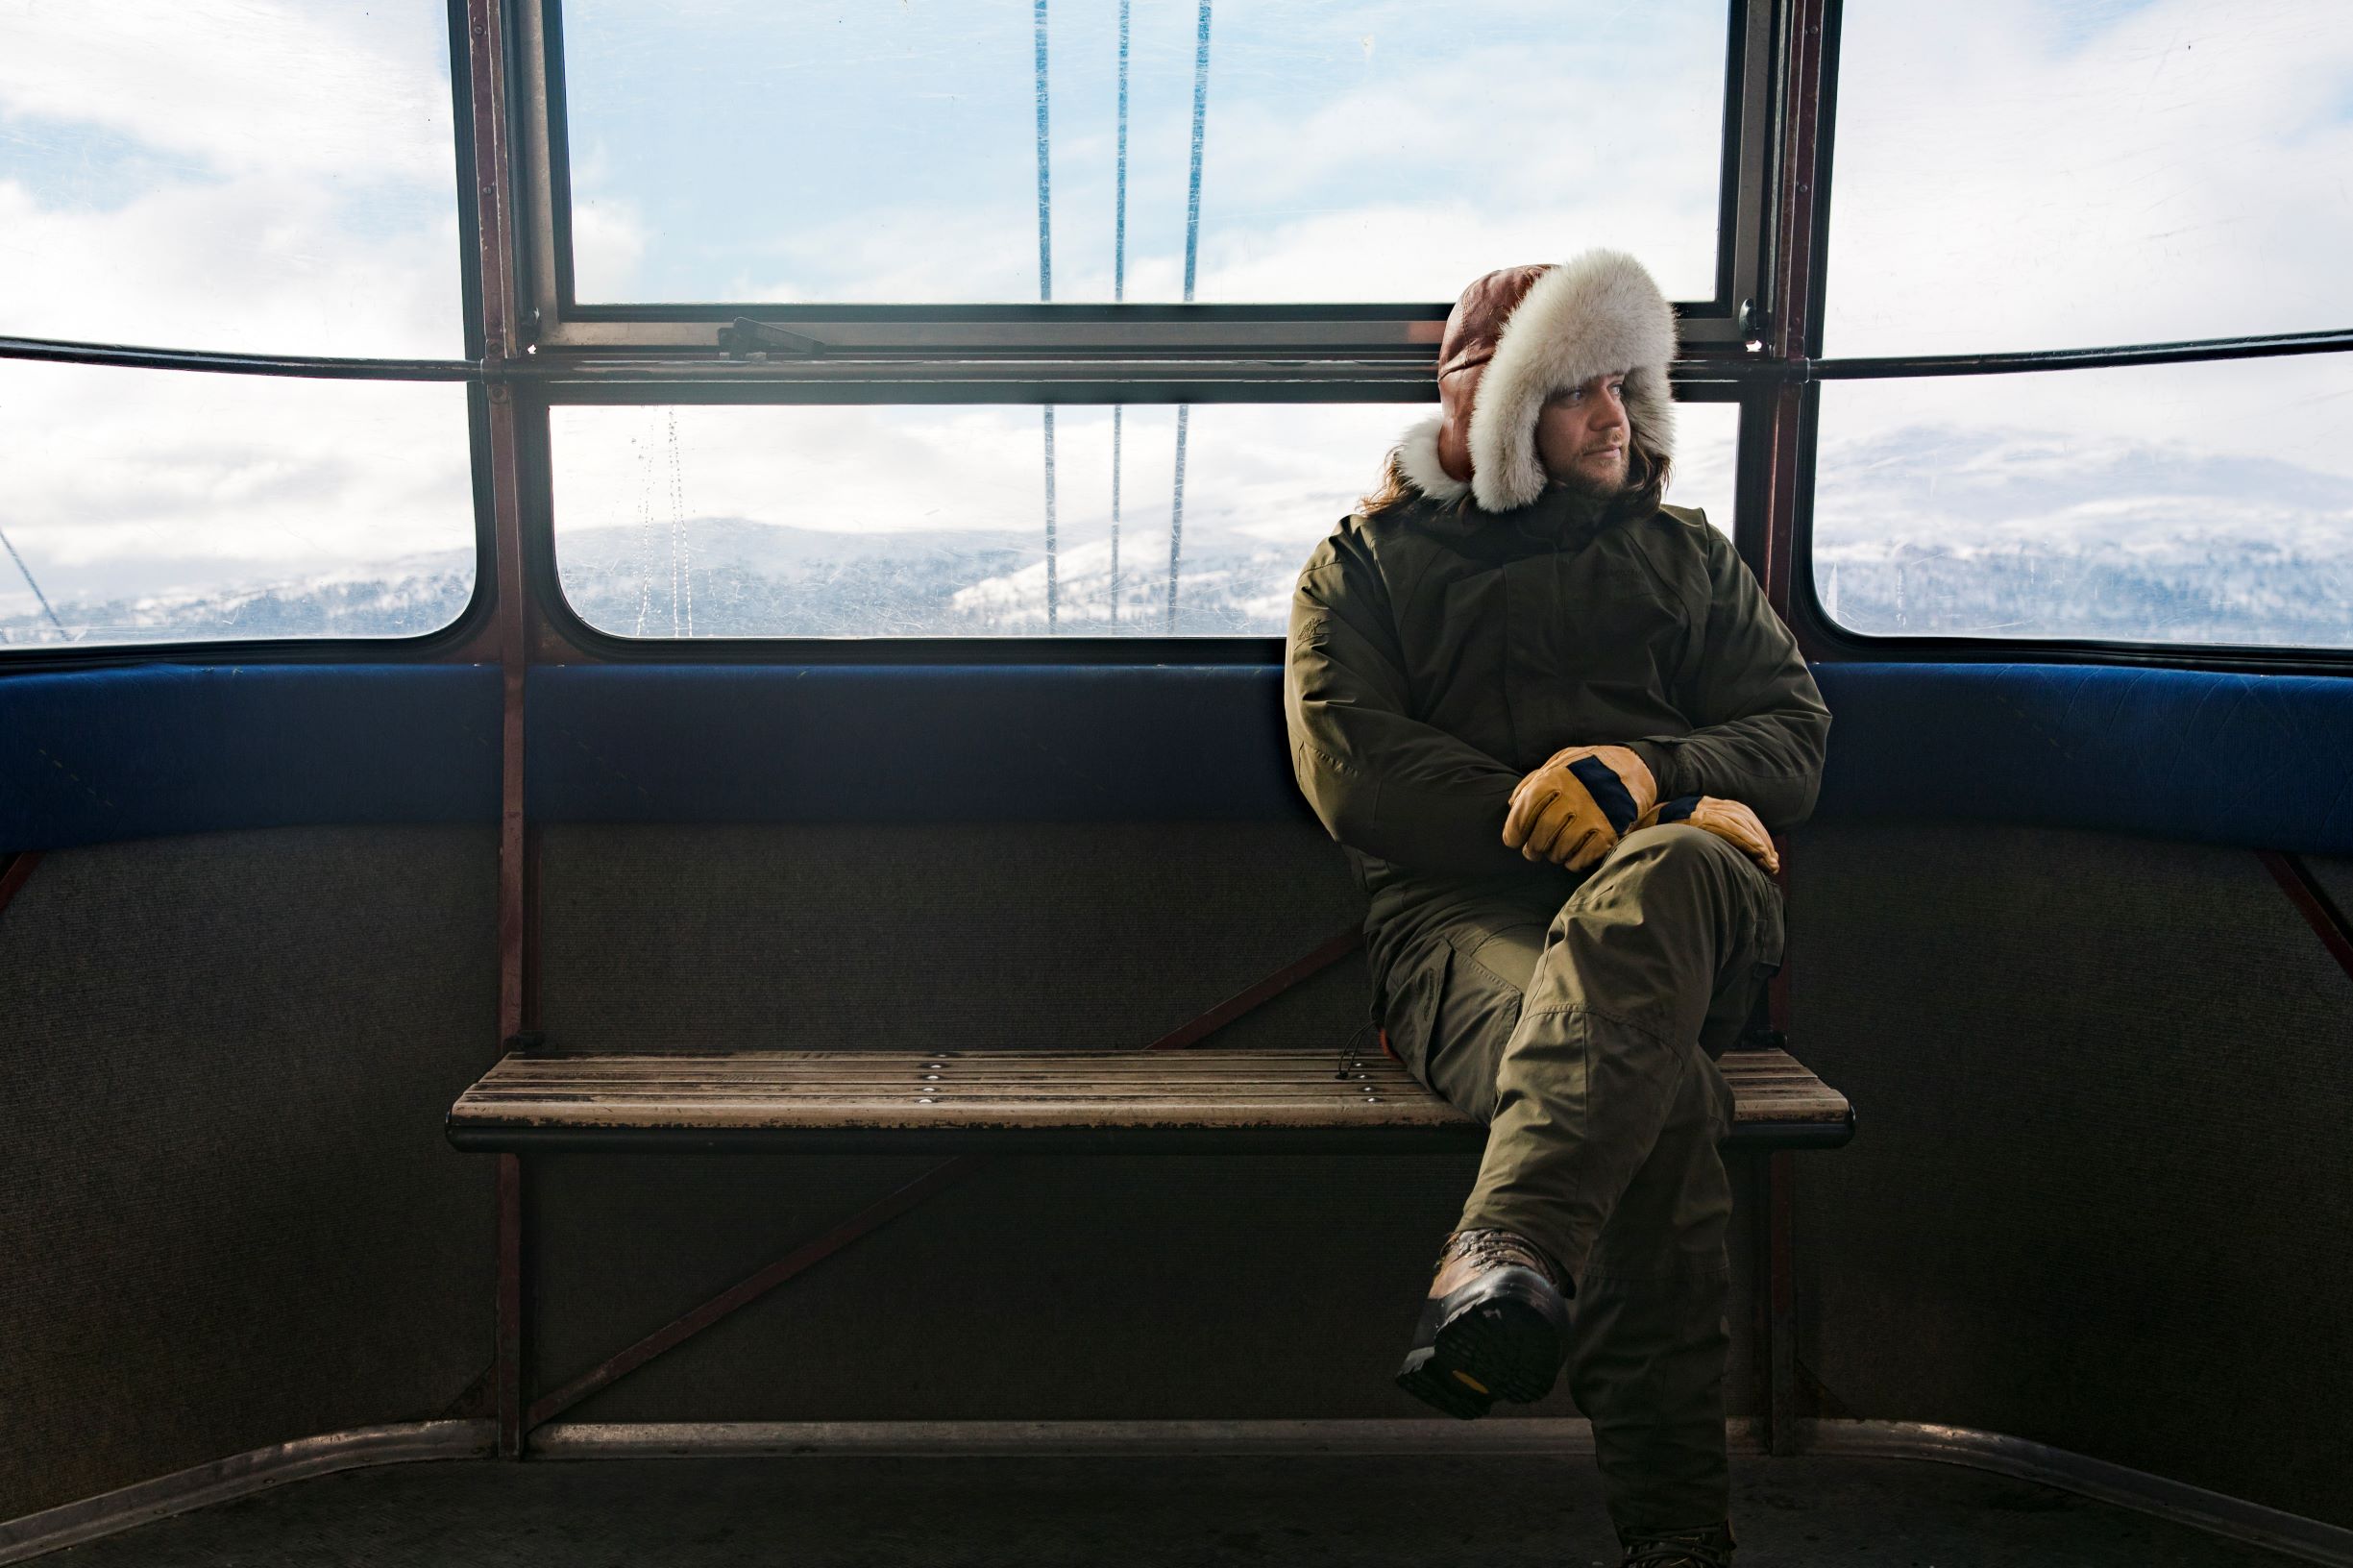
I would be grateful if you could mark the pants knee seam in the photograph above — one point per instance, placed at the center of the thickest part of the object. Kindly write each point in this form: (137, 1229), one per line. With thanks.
(1604, 1015)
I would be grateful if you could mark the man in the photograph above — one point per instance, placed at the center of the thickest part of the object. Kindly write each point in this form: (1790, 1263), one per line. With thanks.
(1553, 719)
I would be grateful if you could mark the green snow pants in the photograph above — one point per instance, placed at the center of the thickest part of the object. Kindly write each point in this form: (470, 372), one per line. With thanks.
(1586, 1038)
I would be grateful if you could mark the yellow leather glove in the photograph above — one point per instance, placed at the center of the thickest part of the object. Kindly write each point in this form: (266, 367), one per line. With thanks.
(1572, 810)
(1728, 820)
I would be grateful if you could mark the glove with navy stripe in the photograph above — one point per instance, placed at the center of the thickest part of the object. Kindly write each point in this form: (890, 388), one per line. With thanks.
(1573, 810)
(1728, 820)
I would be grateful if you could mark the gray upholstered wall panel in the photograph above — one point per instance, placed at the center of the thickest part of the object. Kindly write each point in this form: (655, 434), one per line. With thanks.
(231, 1217)
(1184, 1286)
(2101, 1192)
(988, 934)
(1148, 1288)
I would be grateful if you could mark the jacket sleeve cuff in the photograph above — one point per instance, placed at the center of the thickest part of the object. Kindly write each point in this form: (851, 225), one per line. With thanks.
(1661, 760)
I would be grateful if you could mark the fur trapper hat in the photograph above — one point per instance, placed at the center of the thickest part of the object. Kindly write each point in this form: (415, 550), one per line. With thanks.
(1516, 338)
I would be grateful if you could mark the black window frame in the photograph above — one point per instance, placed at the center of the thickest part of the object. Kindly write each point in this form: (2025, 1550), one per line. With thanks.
(1827, 641)
(1756, 343)
(1042, 355)
(1333, 331)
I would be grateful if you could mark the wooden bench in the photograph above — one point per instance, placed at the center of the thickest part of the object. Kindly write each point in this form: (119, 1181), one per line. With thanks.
(1171, 1096)
(1354, 1099)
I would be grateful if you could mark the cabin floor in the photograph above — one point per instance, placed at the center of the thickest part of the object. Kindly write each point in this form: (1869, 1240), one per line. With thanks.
(1494, 1511)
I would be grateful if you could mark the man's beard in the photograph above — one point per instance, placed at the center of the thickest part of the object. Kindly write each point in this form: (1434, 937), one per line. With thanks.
(1598, 492)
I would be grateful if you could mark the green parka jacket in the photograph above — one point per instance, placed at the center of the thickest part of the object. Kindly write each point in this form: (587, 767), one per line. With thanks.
(1438, 653)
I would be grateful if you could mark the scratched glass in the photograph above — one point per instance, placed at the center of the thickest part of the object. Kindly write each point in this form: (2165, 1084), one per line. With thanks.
(699, 521)
(2041, 174)
(2172, 503)
(266, 175)
(1348, 150)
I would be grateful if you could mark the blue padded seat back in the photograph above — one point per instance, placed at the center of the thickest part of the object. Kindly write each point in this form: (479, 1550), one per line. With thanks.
(2261, 761)
(92, 755)
(85, 756)
(880, 743)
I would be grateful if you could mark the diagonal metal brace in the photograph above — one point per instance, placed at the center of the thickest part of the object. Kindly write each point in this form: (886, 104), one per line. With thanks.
(874, 1216)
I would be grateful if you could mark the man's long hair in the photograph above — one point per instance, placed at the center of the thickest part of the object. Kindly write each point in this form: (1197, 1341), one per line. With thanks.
(1647, 472)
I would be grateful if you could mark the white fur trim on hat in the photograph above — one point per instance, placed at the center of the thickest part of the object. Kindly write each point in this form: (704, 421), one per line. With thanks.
(1589, 317)
(1417, 454)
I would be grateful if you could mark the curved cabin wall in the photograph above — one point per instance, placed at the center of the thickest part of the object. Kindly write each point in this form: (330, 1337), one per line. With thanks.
(2100, 1192)
(230, 1218)
(2100, 1077)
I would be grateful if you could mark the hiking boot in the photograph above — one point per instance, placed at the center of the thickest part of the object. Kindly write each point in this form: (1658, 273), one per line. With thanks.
(1494, 1327)
(1684, 1548)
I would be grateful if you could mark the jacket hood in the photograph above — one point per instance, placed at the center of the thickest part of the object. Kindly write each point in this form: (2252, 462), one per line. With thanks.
(1515, 337)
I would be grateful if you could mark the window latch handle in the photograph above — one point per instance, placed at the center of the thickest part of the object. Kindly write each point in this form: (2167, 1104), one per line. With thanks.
(744, 337)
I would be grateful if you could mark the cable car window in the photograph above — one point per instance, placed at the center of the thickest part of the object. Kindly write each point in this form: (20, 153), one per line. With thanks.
(225, 174)
(1317, 150)
(158, 506)
(2208, 502)
(2037, 173)
(701, 521)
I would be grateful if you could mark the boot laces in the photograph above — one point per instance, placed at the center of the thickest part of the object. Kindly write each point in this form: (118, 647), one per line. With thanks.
(1497, 1249)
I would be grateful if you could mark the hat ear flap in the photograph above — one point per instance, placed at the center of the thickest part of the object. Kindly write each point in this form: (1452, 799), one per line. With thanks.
(1418, 455)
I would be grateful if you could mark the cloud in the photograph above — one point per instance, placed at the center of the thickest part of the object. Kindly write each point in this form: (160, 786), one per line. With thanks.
(130, 481)
(229, 174)
(255, 264)
(1332, 170)
(232, 175)
(339, 93)
(2289, 409)
(2007, 181)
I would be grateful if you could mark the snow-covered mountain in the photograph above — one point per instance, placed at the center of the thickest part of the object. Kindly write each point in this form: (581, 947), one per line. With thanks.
(2018, 535)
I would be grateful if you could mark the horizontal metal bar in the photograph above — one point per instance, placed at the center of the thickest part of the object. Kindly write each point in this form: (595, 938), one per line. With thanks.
(1246, 327)
(220, 1481)
(1069, 1141)
(2235, 1518)
(1454, 1138)
(66, 351)
(1113, 1439)
(2215, 1512)
(1204, 377)
(2187, 352)
(1182, 371)
(2179, 1502)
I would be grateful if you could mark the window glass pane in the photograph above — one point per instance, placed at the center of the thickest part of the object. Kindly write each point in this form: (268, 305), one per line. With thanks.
(1372, 150)
(260, 174)
(2178, 503)
(927, 522)
(144, 506)
(2027, 174)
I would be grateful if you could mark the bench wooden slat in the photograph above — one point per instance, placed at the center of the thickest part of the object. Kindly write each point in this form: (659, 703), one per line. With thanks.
(786, 1100)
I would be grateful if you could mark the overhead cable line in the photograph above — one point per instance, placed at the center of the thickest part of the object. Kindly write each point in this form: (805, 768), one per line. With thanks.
(1045, 293)
(1118, 295)
(34, 586)
(1192, 249)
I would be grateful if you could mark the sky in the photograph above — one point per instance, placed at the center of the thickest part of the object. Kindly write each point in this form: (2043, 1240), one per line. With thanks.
(279, 174)
(1352, 149)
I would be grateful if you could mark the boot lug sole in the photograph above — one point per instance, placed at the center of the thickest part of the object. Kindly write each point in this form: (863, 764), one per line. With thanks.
(1506, 1333)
